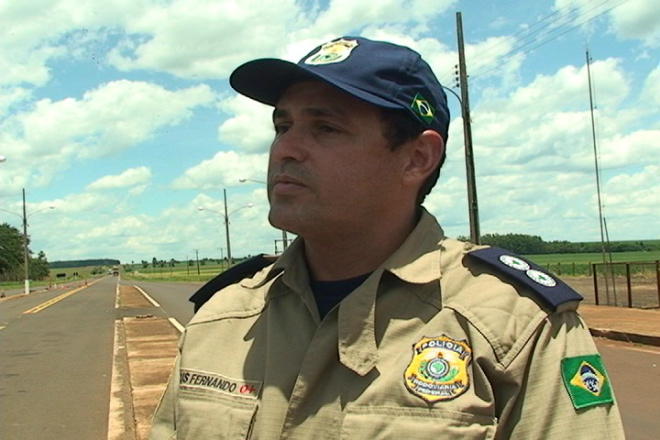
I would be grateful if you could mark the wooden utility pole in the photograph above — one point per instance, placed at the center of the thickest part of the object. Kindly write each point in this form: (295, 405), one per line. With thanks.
(601, 219)
(473, 205)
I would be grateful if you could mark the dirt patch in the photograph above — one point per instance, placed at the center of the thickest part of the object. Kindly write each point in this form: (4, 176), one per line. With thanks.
(151, 348)
(131, 298)
(643, 291)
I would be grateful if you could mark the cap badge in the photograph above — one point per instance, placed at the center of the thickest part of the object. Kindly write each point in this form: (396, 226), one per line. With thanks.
(332, 52)
(423, 108)
(439, 369)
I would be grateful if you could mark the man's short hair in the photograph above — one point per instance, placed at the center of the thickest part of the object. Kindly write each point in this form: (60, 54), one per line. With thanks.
(398, 128)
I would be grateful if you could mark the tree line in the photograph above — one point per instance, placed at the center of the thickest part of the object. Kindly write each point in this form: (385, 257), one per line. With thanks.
(12, 256)
(101, 262)
(535, 245)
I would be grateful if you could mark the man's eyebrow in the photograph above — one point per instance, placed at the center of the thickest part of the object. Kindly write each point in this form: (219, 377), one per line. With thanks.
(279, 113)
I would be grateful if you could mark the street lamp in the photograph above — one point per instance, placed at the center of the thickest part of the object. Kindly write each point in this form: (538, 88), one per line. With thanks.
(226, 218)
(285, 240)
(26, 257)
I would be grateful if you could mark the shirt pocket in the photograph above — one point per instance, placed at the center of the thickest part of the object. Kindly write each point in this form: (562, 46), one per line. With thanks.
(207, 415)
(381, 422)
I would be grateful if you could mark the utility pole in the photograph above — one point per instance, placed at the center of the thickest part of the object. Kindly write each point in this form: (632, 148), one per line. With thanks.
(601, 220)
(26, 257)
(229, 262)
(473, 206)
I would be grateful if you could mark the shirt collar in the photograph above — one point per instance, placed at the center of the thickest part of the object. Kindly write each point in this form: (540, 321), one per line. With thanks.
(417, 261)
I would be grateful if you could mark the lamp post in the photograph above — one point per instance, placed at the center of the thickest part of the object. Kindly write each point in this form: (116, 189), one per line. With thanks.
(285, 240)
(26, 253)
(226, 219)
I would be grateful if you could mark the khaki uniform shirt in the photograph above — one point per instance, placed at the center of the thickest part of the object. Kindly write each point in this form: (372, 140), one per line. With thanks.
(431, 346)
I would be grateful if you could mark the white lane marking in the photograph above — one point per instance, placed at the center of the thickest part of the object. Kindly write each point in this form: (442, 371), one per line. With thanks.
(146, 295)
(176, 324)
(116, 419)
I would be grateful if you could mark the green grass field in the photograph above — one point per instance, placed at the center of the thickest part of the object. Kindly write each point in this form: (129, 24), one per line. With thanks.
(179, 272)
(580, 264)
(561, 264)
(594, 258)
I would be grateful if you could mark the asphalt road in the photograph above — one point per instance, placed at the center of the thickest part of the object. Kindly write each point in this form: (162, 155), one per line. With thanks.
(55, 364)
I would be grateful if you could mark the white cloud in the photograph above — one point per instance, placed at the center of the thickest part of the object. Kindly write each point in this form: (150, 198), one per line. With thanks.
(226, 168)
(202, 38)
(131, 177)
(651, 91)
(638, 19)
(343, 15)
(114, 117)
(251, 127)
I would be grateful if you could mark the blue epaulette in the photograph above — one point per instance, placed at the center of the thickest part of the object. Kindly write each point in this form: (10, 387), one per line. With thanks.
(231, 276)
(550, 290)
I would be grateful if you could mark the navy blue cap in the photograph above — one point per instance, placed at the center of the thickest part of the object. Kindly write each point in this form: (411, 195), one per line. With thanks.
(381, 73)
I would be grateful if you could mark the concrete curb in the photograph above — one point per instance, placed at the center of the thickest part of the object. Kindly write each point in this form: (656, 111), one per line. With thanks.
(625, 336)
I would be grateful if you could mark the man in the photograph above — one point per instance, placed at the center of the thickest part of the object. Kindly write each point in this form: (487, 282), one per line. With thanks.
(373, 324)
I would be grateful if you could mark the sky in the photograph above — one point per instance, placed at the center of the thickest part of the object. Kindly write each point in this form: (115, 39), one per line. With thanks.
(118, 114)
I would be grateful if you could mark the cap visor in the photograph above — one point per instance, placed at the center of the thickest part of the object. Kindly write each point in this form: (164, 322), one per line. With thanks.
(266, 79)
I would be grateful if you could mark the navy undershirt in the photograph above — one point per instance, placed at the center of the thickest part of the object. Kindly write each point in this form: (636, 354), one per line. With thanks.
(330, 293)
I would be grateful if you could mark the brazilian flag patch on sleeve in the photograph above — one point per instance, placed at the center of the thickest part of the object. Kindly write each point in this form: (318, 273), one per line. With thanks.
(586, 381)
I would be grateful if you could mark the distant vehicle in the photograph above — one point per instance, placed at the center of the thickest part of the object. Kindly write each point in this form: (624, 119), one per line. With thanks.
(114, 271)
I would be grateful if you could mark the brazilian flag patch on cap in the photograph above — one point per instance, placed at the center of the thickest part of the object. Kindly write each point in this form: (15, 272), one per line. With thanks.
(586, 381)
(423, 108)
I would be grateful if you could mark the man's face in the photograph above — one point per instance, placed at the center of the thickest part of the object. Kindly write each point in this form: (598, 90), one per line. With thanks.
(331, 171)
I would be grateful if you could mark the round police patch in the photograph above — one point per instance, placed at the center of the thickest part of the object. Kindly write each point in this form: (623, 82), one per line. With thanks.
(514, 262)
(541, 277)
(439, 369)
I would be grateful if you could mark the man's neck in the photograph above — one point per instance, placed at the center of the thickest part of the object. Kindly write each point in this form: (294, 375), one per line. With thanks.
(345, 256)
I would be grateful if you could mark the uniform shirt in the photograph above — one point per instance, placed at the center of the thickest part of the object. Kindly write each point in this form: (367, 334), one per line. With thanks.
(431, 345)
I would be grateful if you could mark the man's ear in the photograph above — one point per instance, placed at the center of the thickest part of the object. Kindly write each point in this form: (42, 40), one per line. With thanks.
(424, 154)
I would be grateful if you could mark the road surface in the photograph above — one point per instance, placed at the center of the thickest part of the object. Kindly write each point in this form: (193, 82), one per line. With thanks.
(57, 350)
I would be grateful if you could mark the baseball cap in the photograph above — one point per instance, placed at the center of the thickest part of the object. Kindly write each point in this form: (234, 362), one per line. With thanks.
(378, 72)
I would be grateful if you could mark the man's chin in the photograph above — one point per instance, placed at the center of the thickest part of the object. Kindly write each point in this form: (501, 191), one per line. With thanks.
(284, 220)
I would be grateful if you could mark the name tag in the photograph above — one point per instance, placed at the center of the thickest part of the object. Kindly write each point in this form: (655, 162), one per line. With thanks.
(202, 380)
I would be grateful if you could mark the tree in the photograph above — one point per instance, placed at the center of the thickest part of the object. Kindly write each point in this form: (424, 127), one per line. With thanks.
(39, 267)
(11, 252)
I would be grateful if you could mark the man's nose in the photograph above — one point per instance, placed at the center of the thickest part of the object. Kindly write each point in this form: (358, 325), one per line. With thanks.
(290, 145)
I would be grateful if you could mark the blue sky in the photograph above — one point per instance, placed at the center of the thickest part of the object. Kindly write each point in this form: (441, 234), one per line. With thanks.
(119, 114)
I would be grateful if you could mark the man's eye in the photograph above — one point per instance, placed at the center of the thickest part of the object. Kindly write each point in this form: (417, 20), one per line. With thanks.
(281, 128)
(328, 129)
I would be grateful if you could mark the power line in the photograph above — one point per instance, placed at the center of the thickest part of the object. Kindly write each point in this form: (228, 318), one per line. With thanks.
(541, 32)
(546, 37)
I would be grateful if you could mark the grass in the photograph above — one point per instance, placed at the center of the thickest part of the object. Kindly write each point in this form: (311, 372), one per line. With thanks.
(560, 264)
(180, 272)
(581, 264)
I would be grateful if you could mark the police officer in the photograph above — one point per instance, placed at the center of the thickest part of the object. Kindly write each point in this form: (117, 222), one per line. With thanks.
(373, 324)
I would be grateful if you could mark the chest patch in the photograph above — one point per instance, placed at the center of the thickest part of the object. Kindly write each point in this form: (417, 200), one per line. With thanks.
(204, 381)
(438, 369)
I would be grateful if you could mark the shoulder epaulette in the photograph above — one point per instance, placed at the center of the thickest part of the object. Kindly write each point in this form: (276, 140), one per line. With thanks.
(231, 276)
(550, 290)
